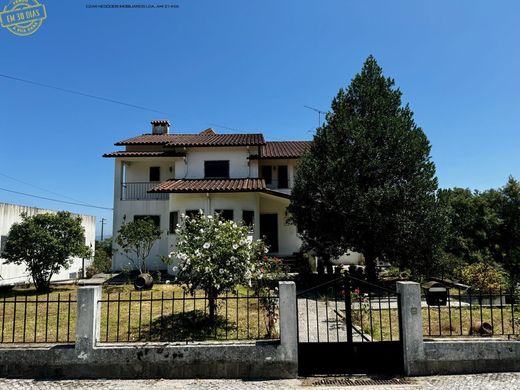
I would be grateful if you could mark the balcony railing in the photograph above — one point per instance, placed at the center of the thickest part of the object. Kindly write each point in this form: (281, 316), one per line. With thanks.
(279, 185)
(139, 191)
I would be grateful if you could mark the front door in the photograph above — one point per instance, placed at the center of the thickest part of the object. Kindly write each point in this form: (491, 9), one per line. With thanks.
(269, 230)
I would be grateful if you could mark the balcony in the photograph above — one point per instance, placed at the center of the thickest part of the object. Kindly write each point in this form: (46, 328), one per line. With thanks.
(275, 184)
(139, 191)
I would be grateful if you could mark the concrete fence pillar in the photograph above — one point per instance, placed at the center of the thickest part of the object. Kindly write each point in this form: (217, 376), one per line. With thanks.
(289, 322)
(88, 319)
(411, 325)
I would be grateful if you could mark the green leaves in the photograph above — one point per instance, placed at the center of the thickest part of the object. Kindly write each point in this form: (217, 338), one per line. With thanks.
(368, 183)
(44, 243)
(136, 240)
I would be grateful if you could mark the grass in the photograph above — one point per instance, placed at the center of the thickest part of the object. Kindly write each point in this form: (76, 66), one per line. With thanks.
(164, 313)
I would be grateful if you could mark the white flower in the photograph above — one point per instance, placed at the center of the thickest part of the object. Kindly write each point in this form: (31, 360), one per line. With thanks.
(235, 246)
(210, 216)
(266, 250)
(167, 282)
(233, 258)
(174, 269)
(221, 271)
(206, 245)
(201, 231)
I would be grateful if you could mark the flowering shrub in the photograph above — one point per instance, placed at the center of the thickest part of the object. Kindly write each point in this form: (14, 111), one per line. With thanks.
(215, 255)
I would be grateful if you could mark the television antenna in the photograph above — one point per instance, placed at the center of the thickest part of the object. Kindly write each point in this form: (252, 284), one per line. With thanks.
(320, 113)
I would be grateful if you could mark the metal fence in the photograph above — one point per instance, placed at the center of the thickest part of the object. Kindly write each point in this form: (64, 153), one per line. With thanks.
(492, 313)
(346, 310)
(38, 319)
(171, 316)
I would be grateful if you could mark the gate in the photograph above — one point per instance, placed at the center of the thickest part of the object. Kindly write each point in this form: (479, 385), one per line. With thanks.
(348, 326)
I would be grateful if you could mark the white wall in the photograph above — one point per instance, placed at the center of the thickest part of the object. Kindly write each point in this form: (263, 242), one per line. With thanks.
(139, 171)
(288, 240)
(193, 166)
(10, 214)
(127, 209)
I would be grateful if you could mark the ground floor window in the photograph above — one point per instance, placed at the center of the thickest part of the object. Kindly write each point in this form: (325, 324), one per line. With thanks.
(248, 217)
(174, 220)
(155, 218)
(192, 213)
(225, 214)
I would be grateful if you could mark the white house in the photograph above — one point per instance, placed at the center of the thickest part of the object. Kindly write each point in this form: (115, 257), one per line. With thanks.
(241, 176)
(13, 274)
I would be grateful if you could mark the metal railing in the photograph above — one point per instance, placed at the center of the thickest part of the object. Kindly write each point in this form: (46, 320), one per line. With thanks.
(492, 313)
(139, 191)
(348, 310)
(38, 319)
(177, 316)
(280, 185)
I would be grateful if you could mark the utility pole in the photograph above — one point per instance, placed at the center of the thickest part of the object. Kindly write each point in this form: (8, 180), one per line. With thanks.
(102, 224)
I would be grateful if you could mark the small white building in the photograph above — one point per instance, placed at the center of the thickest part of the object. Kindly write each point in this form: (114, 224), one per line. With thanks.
(14, 274)
(241, 176)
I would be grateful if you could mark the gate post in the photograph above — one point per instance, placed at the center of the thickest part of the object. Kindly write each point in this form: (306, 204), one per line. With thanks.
(88, 319)
(411, 325)
(289, 323)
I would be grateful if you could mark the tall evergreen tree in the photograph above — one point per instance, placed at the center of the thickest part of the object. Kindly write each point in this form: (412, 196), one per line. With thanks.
(368, 183)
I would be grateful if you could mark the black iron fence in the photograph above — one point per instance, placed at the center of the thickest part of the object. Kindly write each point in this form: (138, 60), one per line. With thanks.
(178, 316)
(38, 319)
(348, 310)
(466, 313)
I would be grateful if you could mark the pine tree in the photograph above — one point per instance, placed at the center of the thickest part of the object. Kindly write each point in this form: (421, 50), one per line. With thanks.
(368, 183)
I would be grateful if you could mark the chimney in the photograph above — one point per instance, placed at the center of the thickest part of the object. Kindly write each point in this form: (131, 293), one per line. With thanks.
(160, 126)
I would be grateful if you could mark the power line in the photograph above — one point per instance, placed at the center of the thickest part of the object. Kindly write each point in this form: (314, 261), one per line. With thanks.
(43, 189)
(55, 200)
(81, 94)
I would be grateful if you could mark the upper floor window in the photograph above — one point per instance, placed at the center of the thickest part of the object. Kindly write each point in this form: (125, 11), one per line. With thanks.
(267, 174)
(156, 219)
(216, 169)
(155, 173)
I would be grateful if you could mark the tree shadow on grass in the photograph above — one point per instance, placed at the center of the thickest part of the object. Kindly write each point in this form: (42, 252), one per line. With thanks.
(194, 325)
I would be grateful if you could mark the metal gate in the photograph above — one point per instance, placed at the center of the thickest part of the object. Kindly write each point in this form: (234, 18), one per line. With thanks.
(348, 326)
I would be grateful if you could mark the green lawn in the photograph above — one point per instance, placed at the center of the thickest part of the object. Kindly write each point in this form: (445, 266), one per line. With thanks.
(164, 313)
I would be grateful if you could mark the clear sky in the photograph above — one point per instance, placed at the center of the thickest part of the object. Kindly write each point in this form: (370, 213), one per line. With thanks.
(251, 65)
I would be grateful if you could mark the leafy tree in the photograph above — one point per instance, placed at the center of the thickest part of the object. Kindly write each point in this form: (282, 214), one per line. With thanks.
(368, 183)
(215, 255)
(483, 277)
(44, 243)
(509, 231)
(136, 240)
(102, 258)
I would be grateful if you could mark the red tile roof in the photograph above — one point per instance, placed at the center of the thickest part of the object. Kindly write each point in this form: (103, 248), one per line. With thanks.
(282, 149)
(210, 185)
(143, 154)
(205, 139)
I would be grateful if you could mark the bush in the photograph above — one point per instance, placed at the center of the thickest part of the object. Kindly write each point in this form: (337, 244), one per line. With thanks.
(102, 259)
(484, 277)
(215, 255)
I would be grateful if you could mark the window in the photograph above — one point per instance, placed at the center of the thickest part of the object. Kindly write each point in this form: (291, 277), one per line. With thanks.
(248, 217)
(155, 218)
(174, 220)
(192, 213)
(3, 240)
(216, 169)
(155, 173)
(225, 214)
(283, 177)
(267, 174)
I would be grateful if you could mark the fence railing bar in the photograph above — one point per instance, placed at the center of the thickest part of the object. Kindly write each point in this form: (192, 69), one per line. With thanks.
(24, 319)
(36, 319)
(14, 317)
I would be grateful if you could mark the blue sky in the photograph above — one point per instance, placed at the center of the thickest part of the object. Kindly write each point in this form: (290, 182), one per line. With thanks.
(251, 65)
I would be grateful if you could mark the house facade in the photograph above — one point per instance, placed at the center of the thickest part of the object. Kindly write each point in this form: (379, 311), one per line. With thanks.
(246, 179)
(15, 274)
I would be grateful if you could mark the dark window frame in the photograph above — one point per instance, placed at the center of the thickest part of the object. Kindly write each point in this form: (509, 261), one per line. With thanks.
(154, 174)
(155, 218)
(250, 220)
(216, 169)
(268, 178)
(174, 220)
(226, 214)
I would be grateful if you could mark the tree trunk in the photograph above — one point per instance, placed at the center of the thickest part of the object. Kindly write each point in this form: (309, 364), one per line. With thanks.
(370, 267)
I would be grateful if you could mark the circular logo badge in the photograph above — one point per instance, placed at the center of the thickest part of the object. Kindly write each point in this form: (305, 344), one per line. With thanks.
(23, 17)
